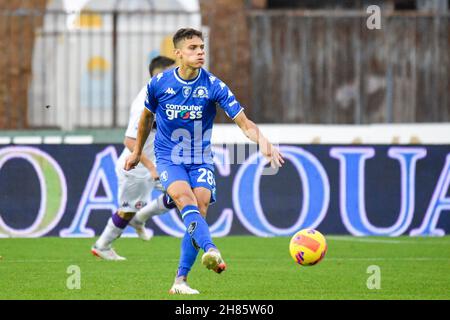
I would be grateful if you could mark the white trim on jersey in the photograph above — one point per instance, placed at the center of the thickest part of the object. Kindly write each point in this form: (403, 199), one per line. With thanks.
(242, 109)
(183, 81)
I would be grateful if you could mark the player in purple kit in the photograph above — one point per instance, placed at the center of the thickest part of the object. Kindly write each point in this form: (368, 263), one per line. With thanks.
(135, 187)
(184, 101)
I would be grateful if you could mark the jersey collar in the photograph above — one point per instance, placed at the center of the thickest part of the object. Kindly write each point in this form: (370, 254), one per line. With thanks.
(175, 73)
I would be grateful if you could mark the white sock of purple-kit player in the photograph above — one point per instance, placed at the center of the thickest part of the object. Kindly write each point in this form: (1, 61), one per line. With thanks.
(113, 230)
(158, 206)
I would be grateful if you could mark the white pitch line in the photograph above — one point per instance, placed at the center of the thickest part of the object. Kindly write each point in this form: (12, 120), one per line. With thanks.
(390, 259)
(174, 260)
(94, 260)
(357, 239)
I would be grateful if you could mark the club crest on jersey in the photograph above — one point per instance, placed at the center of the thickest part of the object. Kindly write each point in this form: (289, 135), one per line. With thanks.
(187, 91)
(140, 204)
(200, 92)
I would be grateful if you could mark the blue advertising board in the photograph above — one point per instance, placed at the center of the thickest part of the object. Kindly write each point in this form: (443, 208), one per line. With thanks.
(383, 190)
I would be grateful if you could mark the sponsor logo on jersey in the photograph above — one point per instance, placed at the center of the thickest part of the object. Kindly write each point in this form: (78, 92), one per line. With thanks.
(212, 79)
(175, 111)
(170, 91)
(200, 92)
(230, 94)
(222, 85)
(186, 91)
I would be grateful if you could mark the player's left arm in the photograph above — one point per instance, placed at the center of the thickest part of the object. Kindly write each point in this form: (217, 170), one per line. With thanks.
(227, 101)
(251, 130)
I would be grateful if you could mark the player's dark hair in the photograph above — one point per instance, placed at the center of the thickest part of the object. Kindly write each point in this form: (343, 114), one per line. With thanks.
(185, 33)
(159, 62)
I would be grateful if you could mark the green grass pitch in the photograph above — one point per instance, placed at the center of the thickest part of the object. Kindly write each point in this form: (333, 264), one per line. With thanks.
(258, 268)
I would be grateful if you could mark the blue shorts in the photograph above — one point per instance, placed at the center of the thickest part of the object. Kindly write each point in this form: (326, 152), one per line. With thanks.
(196, 175)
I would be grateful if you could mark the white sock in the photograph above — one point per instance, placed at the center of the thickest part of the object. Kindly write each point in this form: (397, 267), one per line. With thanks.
(108, 235)
(152, 209)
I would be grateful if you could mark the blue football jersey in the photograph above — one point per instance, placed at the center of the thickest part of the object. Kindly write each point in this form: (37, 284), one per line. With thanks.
(185, 112)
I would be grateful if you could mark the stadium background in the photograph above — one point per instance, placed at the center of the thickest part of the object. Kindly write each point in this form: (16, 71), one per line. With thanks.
(311, 72)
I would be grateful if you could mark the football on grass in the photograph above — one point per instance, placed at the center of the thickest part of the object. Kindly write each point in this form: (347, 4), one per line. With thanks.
(308, 247)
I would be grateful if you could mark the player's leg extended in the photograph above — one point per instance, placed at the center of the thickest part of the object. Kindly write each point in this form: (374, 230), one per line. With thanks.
(184, 197)
(113, 230)
(133, 195)
(212, 258)
(157, 206)
(195, 223)
(189, 248)
(176, 177)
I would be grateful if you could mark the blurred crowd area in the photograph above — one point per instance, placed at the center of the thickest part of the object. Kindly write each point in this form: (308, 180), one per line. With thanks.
(71, 64)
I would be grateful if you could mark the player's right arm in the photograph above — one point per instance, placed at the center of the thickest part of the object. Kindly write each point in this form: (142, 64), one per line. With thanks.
(145, 123)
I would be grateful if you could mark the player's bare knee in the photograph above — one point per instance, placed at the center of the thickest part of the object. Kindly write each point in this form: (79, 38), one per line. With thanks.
(183, 199)
(182, 194)
(187, 200)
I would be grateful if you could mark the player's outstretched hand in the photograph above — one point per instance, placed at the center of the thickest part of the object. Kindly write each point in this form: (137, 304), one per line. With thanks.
(274, 156)
(132, 161)
(277, 158)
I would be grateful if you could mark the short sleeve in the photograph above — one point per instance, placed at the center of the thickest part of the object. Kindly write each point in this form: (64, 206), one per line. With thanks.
(135, 113)
(132, 127)
(150, 101)
(226, 100)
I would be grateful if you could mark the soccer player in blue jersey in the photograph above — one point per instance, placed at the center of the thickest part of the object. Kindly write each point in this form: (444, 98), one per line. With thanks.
(184, 102)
